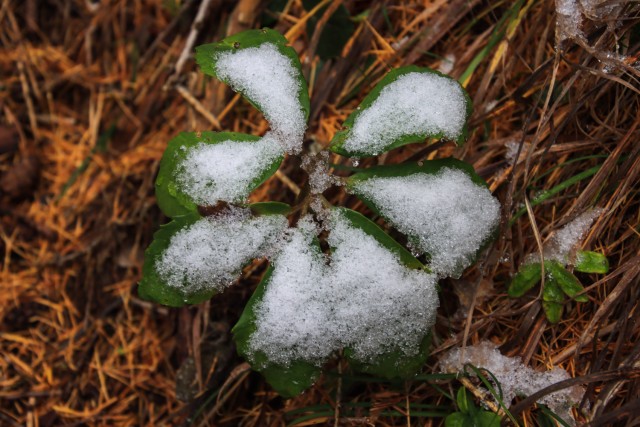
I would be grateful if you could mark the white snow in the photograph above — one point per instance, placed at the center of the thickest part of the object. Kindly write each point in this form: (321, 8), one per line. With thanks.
(512, 151)
(447, 63)
(447, 214)
(317, 167)
(571, 13)
(602, 10)
(568, 20)
(365, 299)
(225, 171)
(211, 252)
(416, 103)
(564, 241)
(514, 377)
(270, 79)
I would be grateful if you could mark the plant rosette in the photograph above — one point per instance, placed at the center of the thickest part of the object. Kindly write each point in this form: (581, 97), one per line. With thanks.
(368, 296)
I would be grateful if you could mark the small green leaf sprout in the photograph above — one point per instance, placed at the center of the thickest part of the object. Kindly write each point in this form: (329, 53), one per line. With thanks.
(559, 282)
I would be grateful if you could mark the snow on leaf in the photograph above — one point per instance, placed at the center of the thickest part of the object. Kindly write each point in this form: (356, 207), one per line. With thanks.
(365, 299)
(228, 170)
(201, 168)
(445, 213)
(258, 64)
(210, 253)
(267, 77)
(408, 105)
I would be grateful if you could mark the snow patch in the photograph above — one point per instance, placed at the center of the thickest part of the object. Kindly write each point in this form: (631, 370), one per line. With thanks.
(512, 151)
(561, 246)
(270, 79)
(514, 377)
(365, 299)
(447, 63)
(210, 253)
(447, 214)
(571, 13)
(568, 20)
(225, 171)
(414, 104)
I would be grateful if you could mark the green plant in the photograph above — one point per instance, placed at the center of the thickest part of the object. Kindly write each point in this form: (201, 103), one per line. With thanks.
(469, 415)
(559, 282)
(371, 298)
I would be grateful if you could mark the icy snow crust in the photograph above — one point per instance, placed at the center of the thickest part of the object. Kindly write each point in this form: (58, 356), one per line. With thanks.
(365, 299)
(225, 171)
(447, 214)
(514, 377)
(211, 252)
(268, 78)
(414, 104)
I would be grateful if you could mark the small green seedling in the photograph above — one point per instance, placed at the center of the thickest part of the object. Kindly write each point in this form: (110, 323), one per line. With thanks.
(503, 378)
(368, 296)
(559, 282)
(469, 415)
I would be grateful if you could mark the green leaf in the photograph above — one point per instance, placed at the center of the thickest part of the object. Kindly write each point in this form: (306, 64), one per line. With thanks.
(458, 419)
(552, 291)
(553, 311)
(486, 419)
(336, 32)
(392, 365)
(465, 401)
(371, 228)
(431, 167)
(152, 287)
(552, 299)
(270, 208)
(591, 262)
(288, 381)
(526, 278)
(569, 283)
(206, 54)
(171, 199)
(341, 136)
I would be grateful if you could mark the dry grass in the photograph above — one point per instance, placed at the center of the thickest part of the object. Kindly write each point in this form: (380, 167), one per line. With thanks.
(90, 93)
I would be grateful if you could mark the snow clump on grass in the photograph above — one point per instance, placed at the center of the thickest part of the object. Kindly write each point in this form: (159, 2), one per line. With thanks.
(561, 246)
(446, 215)
(365, 299)
(210, 253)
(568, 20)
(571, 13)
(225, 171)
(514, 377)
(414, 104)
(447, 63)
(270, 79)
(512, 152)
